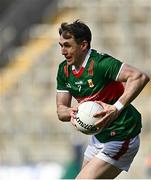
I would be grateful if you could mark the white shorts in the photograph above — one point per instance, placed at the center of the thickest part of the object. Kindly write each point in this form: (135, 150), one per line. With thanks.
(118, 153)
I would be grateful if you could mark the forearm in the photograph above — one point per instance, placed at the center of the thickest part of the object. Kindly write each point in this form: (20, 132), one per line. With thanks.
(64, 113)
(133, 87)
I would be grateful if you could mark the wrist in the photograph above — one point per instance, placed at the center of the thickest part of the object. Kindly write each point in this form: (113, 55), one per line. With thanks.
(119, 106)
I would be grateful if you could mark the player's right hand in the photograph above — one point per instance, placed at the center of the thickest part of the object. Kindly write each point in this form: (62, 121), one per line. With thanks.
(73, 113)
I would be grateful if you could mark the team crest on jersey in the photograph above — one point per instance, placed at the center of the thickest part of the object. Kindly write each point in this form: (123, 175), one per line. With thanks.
(90, 82)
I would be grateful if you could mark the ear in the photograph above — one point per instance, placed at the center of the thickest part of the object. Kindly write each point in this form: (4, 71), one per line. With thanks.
(84, 45)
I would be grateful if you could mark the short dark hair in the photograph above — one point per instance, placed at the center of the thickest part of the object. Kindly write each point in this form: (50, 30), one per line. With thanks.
(79, 30)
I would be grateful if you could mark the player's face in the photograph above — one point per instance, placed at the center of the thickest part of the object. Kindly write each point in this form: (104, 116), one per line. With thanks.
(72, 51)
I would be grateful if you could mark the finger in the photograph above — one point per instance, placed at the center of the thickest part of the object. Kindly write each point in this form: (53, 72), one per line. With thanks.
(100, 114)
(73, 113)
(75, 109)
(72, 120)
(73, 116)
(101, 122)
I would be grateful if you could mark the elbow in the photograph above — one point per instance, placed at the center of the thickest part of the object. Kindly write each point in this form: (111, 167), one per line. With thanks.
(62, 117)
(59, 116)
(145, 78)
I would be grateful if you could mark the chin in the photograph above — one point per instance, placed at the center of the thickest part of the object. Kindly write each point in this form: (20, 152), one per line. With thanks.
(69, 63)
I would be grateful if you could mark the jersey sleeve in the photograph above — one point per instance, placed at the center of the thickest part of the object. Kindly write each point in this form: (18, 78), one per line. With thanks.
(109, 67)
(61, 79)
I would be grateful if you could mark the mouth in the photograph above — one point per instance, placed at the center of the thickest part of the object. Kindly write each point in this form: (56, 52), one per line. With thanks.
(68, 58)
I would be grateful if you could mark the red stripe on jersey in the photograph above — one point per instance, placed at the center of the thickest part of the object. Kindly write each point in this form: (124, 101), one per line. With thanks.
(110, 92)
(78, 74)
(123, 150)
(90, 70)
(66, 71)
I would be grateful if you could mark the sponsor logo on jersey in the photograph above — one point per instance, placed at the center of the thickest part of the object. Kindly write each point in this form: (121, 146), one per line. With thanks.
(90, 82)
(78, 82)
(68, 85)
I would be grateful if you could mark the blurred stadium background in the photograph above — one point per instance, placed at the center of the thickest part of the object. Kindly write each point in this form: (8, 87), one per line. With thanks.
(34, 145)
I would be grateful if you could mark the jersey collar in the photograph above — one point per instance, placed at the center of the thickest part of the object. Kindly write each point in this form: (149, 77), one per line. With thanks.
(80, 71)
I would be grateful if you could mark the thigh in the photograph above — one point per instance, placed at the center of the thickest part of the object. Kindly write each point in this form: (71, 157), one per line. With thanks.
(85, 162)
(97, 168)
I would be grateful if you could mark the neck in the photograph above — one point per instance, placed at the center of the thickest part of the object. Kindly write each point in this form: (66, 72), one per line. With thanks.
(80, 62)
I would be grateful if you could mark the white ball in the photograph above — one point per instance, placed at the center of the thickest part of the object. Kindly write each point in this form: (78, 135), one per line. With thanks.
(84, 118)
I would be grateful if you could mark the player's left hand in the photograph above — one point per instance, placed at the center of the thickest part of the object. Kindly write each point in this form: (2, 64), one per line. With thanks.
(108, 115)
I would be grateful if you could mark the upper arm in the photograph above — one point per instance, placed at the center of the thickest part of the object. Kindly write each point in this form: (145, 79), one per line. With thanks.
(126, 72)
(63, 98)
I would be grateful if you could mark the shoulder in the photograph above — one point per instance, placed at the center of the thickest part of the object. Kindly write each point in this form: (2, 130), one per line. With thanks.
(107, 65)
(101, 56)
(62, 69)
(107, 59)
(62, 64)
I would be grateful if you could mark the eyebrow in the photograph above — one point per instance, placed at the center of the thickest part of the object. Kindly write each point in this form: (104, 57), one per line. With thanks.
(65, 43)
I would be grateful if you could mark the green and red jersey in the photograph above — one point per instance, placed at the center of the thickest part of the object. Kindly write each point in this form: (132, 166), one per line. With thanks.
(96, 80)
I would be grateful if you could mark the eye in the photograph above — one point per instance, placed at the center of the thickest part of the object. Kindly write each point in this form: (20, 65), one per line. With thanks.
(67, 45)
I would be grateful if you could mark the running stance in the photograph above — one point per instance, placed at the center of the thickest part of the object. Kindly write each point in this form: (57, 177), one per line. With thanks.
(86, 74)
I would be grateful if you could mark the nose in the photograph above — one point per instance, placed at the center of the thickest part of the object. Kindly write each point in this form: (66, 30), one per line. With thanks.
(63, 51)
